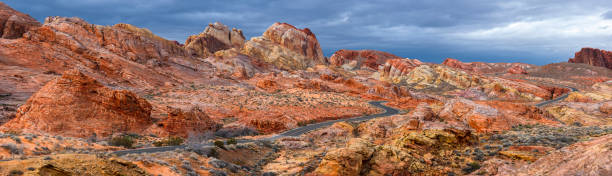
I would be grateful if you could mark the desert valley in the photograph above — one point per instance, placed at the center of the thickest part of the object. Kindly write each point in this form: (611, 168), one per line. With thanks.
(85, 99)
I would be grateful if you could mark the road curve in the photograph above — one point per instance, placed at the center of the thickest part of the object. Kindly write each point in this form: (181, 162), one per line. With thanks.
(544, 103)
(388, 111)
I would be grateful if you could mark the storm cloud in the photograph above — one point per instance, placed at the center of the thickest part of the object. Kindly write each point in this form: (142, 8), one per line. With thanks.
(530, 31)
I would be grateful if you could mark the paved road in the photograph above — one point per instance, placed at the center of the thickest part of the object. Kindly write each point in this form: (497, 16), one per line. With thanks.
(388, 111)
(558, 98)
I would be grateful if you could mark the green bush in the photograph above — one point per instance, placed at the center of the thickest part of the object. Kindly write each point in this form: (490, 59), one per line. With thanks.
(170, 141)
(124, 141)
(219, 144)
(231, 141)
(471, 167)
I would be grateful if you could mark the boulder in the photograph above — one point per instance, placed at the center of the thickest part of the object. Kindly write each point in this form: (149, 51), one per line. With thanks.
(395, 70)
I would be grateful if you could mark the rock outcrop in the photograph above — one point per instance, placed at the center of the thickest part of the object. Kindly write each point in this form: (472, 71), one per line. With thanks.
(82, 37)
(79, 106)
(287, 47)
(481, 67)
(13, 24)
(395, 70)
(491, 116)
(584, 158)
(517, 69)
(594, 57)
(355, 59)
(184, 123)
(216, 37)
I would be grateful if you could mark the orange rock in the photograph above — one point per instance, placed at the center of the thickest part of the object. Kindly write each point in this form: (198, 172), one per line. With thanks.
(481, 67)
(394, 69)
(517, 69)
(216, 37)
(287, 47)
(594, 57)
(266, 84)
(77, 105)
(584, 158)
(13, 24)
(183, 124)
(606, 107)
(490, 116)
(368, 58)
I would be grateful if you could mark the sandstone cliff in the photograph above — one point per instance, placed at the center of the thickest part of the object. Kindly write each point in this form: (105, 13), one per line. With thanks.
(215, 37)
(13, 23)
(355, 59)
(287, 47)
(593, 56)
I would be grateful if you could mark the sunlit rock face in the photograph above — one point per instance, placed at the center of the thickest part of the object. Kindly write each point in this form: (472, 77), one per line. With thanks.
(13, 23)
(287, 47)
(79, 106)
(356, 59)
(593, 56)
(215, 37)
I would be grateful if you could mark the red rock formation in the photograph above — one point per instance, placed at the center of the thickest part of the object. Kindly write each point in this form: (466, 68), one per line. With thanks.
(584, 158)
(286, 46)
(554, 91)
(266, 84)
(77, 105)
(395, 69)
(215, 37)
(181, 123)
(593, 56)
(14, 23)
(606, 107)
(481, 67)
(491, 116)
(458, 64)
(83, 38)
(368, 58)
(517, 69)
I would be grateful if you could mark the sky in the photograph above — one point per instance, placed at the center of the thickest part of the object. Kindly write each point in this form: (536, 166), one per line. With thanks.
(529, 31)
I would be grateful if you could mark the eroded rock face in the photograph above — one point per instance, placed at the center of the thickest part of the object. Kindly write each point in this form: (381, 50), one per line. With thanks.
(492, 116)
(481, 67)
(593, 56)
(77, 105)
(216, 37)
(584, 158)
(517, 69)
(14, 23)
(346, 161)
(184, 123)
(355, 59)
(287, 47)
(82, 37)
(395, 70)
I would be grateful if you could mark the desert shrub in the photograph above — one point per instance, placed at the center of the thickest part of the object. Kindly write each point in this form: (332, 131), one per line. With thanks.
(206, 151)
(231, 141)
(12, 148)
(15, 172)
(471, 167)
(220, 144)
(124, 141)
(170, 141)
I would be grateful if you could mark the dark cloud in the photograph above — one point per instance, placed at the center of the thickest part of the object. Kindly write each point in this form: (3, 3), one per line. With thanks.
(529, 31)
